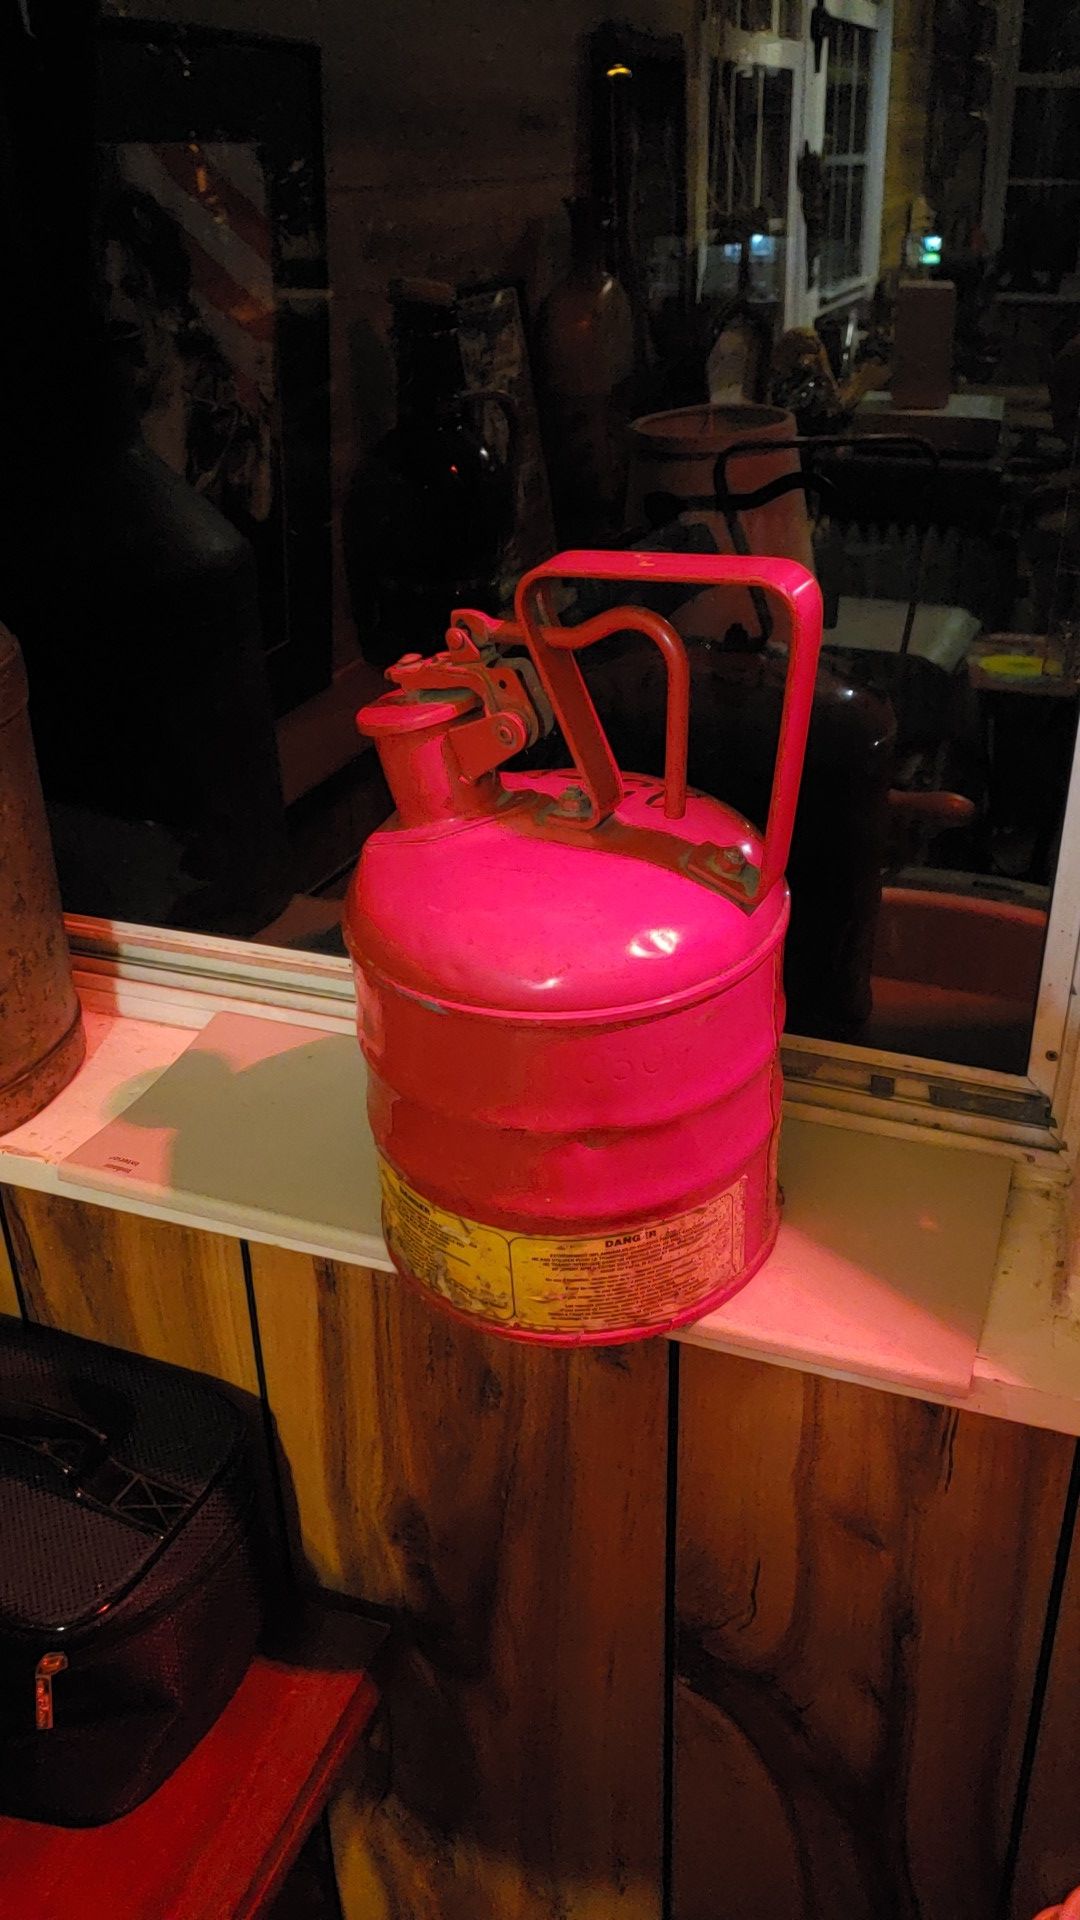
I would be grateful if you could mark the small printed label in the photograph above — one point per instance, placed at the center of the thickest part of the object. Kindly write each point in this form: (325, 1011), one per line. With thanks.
(580, 1284)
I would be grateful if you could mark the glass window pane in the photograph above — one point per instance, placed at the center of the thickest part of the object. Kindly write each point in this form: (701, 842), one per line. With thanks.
(1051, 37)
(841, 254)
(854, 223)
(212, 192)
(842, 134)
(775, 155)
(830, 115)
(832, 251)
(756, 16)
(1042, 236)
(1046, 134)
(748, 175)
(861, 115)
(961, 982)
(847, 93)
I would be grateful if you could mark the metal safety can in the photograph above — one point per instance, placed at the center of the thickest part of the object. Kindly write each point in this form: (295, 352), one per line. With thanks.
(569, 984)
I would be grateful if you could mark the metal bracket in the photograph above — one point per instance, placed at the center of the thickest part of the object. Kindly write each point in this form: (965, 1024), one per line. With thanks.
(479, 746)
(728, 870)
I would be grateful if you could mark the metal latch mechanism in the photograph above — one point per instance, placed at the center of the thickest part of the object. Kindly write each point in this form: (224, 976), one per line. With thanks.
(479, 659)
(516, 709)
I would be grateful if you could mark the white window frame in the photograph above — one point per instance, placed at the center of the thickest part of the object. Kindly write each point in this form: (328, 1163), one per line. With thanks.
(718, 43)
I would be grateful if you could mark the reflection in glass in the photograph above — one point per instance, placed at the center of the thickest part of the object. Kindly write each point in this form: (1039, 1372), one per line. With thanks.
(1050, 40)
(847, 98)
(928, 837)
(1046, 134)
(751, 114)
(756, 16)
(1042, 236)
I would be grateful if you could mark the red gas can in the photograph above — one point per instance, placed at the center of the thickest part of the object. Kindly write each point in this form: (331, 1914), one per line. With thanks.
(569, 985)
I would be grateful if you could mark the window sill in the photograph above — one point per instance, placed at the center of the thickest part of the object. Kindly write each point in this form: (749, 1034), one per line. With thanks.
(907, 1261)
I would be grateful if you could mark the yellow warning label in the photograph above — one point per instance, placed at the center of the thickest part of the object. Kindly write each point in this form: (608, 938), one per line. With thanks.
(566, 1285)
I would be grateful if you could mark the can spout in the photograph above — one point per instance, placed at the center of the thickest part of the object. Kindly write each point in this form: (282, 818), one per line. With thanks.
(413, 733)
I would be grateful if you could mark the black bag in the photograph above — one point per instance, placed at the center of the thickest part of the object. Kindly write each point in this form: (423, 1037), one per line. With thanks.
(129, 1601)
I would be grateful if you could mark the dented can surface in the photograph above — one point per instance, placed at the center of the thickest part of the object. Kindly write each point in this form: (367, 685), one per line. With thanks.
(569, 992)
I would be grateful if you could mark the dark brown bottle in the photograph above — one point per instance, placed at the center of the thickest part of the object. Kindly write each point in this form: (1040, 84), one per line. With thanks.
(134, 599)
(432, 506)
(585, 340)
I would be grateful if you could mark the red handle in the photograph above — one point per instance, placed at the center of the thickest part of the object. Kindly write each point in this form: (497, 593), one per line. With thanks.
(552, 647)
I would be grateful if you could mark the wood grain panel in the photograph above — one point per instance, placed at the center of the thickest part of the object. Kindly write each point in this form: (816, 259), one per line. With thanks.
(136, 1283)
(1048, 1866)
(9, 1299)
(507, 1505)
(861, 1591)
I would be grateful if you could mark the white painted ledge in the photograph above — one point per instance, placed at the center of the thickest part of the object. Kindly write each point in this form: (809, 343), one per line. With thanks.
(907, 1262)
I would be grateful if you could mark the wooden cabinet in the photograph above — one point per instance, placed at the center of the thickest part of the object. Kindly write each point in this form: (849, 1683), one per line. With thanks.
(675, 1633)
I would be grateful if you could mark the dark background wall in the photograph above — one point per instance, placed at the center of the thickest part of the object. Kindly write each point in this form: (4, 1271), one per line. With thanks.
(453, 136)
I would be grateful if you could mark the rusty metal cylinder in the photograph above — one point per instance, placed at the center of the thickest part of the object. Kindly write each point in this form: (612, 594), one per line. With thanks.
(41, 1033)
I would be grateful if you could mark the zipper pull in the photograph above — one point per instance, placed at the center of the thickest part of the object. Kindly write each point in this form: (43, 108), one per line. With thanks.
(47, 1666)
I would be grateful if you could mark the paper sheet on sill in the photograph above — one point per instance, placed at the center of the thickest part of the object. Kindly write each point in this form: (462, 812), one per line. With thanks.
(883, 1267)
(885, 1261)
(258, 1123)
